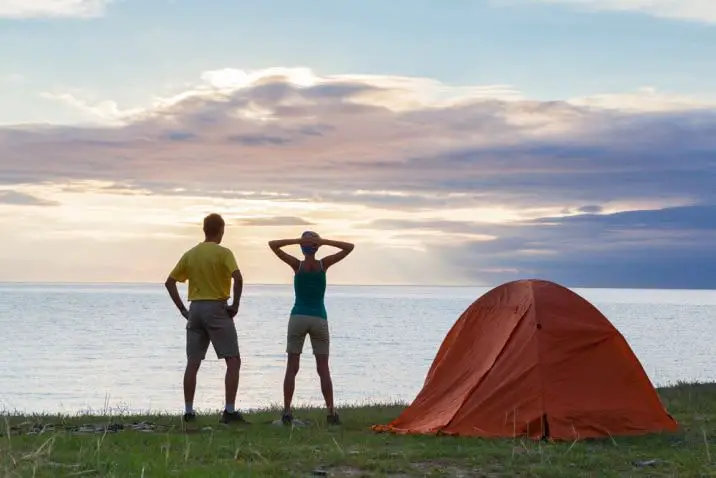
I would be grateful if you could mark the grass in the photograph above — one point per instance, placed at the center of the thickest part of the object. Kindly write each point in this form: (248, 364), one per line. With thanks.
(208, 449)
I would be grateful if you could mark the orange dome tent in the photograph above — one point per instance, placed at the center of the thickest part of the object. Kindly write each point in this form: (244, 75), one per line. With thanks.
(532, 358)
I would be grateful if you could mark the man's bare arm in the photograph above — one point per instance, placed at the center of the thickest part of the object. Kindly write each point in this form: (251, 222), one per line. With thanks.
(238, 289)
(171, 285)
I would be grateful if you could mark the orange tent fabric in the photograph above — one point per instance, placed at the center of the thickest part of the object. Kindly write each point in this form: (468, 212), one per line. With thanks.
(532, 358)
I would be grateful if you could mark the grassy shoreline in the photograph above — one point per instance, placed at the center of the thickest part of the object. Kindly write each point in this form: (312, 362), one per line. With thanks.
(162, 445)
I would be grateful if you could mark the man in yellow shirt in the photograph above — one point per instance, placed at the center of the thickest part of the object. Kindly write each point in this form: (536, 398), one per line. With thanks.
(209, 267)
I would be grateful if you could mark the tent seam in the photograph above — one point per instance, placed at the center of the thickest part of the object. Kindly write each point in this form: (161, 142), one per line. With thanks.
(538, 325)
(492, 365)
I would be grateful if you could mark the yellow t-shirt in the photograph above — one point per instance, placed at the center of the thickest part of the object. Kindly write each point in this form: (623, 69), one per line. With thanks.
(208, 267)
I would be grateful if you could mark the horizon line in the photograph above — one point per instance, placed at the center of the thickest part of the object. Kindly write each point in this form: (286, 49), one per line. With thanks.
(466, 285)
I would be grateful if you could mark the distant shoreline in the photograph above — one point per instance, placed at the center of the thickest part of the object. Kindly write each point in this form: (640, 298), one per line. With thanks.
(425, 286)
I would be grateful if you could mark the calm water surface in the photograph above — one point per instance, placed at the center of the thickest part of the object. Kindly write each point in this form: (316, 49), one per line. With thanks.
(71, 348)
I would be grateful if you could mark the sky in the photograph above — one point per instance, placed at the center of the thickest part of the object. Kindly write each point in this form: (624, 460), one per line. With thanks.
(462, 142)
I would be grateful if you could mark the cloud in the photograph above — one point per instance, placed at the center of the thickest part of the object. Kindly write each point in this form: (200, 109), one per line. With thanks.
(21, 199)
(357, 139)
(645, 99)
(697, 10)
(275, 221)
(52, 8)
(494, 184)
(666, 248)
(106, 111)
(258, 140)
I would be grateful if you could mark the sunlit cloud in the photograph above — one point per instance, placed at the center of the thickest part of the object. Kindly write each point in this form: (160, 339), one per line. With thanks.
(274, 221)
(647, 99)
(17, 198)
(476, 182)
(52, 8)
(694, 10)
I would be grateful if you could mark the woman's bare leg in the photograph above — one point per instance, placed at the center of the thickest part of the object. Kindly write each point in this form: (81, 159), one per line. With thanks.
(324, 374)
(289, 382)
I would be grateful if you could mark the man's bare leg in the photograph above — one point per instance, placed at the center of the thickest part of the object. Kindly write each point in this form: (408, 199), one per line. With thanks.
(289, 382)
(231, 381)
(190, 373)
(231, 386)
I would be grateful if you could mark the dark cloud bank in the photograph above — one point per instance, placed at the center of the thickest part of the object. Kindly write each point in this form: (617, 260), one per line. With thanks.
(668, 248)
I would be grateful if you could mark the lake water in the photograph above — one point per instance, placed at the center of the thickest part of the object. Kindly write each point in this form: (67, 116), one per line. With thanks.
(72, 348)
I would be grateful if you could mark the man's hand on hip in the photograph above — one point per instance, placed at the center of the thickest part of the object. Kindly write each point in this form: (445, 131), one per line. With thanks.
(232, 310)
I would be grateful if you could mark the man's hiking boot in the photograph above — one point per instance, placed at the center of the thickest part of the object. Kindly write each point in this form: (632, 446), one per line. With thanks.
(333, 419)
(189, 416)
(232, 417)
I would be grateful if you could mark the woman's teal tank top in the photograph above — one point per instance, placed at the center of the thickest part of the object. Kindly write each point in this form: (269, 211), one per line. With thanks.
(310, 290)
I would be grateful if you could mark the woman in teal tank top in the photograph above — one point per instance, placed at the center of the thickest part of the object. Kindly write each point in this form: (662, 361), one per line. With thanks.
(308, 314)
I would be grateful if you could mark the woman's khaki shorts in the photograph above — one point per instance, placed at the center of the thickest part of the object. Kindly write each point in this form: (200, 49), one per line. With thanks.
(315, 327)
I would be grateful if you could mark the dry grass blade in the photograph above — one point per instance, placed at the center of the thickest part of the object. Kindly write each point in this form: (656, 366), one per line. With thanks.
(82, 473)
(63, 465)
(166, 448)
(706, 444)
(571, 446)
(338, 446)
(187, 446)
(45, 448)
(8, 432)
(261, 457)
(101, 440)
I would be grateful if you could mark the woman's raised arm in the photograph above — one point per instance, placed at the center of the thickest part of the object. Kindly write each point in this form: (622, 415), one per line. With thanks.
(345, 249)
(276, 246)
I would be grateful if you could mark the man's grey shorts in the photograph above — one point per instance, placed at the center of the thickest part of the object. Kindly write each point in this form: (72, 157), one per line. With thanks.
(209, 321)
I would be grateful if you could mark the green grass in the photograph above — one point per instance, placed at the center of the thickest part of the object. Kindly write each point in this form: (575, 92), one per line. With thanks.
(208, 449)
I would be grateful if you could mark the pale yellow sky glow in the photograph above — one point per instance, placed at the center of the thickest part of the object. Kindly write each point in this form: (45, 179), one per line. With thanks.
(140, 236)
(93, 227)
